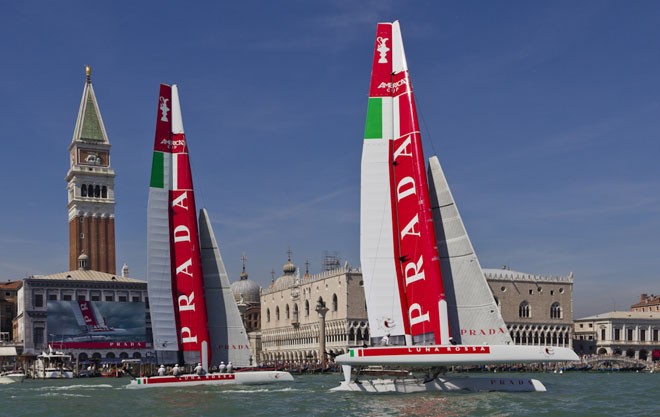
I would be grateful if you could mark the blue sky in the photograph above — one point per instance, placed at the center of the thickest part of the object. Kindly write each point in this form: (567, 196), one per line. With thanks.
(545, 116)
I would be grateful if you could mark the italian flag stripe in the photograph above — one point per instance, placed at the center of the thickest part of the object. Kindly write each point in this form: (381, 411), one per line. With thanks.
(374, 125)
(157, 171)
(379, 118)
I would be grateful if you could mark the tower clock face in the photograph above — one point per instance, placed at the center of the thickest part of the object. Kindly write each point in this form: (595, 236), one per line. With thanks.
(93, 157)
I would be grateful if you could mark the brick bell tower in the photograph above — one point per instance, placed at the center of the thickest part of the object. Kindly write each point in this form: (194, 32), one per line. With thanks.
(91, 191)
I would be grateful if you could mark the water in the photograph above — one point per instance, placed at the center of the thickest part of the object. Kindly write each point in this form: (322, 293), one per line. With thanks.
(569, 394)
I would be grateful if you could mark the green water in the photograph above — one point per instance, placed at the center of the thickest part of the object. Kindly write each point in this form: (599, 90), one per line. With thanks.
(569, 394)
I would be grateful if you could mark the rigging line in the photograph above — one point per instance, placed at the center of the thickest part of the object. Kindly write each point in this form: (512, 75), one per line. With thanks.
(426, 128)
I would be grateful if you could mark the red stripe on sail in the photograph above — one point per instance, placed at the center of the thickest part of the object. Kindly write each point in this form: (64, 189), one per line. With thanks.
(87, 314)
(419, 264)
(163, 139)
(183, 173)
(186, 263)
(407, 109)
(381, 70)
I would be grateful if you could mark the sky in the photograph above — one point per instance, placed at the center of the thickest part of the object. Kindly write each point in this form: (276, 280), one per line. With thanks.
(544, 115)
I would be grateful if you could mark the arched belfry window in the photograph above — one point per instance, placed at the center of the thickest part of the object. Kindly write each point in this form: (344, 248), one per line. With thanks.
(97, 191)
(83, 190)
(555, 311)
(524, 310)
(104, 192)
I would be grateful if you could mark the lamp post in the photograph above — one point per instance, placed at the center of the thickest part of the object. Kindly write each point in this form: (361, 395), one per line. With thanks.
(322, 310)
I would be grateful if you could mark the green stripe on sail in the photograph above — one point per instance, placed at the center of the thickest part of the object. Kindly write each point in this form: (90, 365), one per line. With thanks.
(157, 171)
(374, 126)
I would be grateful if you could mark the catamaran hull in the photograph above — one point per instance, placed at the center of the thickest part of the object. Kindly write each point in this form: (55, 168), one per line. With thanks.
(246, 378)
(455, 355)
(412, 385)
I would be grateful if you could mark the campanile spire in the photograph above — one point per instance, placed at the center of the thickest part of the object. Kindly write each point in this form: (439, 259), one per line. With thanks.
(90, 188)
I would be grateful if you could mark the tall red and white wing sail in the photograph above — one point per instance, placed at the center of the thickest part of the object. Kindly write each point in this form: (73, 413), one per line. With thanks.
(395, 209)
(174, 229)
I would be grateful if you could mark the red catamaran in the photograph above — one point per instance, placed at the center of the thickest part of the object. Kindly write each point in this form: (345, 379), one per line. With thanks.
(194, 316)
(426, 293)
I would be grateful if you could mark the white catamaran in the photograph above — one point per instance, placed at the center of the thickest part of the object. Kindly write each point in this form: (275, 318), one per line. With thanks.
(429, 304)
(194, 316)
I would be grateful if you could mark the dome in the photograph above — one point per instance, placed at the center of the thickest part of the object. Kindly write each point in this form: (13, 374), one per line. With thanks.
(246, 289)
(289, 268)
(285, 281)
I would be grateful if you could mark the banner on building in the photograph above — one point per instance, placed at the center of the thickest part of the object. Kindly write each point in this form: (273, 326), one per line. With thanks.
(96, 325)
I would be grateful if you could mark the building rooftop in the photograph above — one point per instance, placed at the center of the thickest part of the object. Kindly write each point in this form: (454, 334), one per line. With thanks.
(87, 275)
(509, 275)
(623, 315)
(10, 285)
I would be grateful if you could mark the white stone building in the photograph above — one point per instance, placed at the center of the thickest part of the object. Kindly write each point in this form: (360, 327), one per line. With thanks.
(632, 334)
(290, 323)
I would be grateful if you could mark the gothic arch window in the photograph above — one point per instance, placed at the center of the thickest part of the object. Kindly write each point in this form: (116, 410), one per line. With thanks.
(277, 313)
(334, 302)
(295, 312)
(524, 311)
(83, 190)
(287, 312)
(306, 308)
(555, 311)
(268, 315)
(104, 192)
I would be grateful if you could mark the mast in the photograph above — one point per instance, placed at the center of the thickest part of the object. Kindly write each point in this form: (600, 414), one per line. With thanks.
(172, 228)
(392, 119)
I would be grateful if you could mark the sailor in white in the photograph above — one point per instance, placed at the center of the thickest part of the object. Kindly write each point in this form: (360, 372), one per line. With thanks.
(199, 370)
(222, 367)
(385, 340)
(176, 371)
(230, 367)
(162, 371)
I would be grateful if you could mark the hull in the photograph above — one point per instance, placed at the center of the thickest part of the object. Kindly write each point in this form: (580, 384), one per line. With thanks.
(54, 374)
(246, 378)
(443, 355)
(10, 378)
(412, 385)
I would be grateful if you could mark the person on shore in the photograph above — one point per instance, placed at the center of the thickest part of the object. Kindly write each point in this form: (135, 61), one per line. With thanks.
(176, 371)
(230, 367)
(199, 370)
(162, 371)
